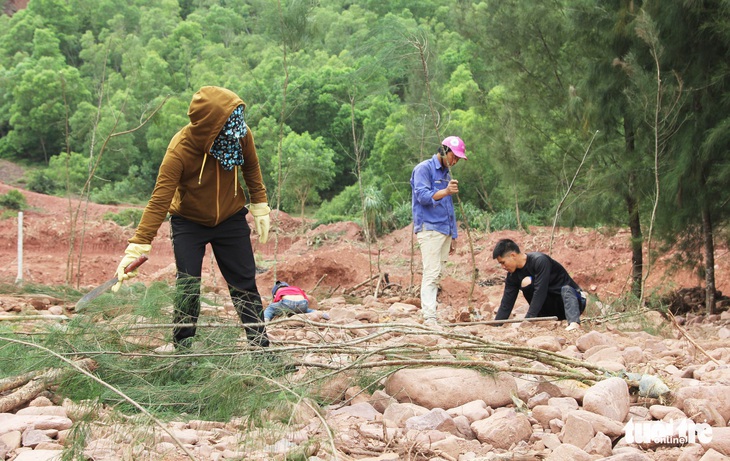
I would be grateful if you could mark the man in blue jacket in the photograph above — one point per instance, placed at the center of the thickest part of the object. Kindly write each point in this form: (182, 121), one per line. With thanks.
(543, 281)
(434, 221)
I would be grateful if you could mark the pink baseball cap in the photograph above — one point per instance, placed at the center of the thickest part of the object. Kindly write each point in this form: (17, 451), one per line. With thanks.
(456, 145)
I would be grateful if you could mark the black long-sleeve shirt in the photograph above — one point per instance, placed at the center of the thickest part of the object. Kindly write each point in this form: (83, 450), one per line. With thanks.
(548, 276)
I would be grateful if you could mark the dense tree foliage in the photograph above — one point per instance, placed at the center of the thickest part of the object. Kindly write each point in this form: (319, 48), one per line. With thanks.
(371, 88)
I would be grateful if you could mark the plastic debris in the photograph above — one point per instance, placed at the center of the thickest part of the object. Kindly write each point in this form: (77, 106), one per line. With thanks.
(649, 385)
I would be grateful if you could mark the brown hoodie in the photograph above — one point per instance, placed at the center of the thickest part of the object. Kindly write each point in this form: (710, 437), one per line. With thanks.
(191, 183)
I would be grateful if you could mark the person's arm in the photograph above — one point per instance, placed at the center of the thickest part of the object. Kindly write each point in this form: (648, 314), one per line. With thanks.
(423, 186)
(540, 271)
(426, 191)
(153, 215)
(509, 296)
(451, 189)
(168, 178)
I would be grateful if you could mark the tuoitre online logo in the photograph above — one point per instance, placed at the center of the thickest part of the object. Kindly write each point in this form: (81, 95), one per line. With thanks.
(679, 432)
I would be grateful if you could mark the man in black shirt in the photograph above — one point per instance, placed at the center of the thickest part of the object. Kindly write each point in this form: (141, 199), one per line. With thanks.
(543, 281)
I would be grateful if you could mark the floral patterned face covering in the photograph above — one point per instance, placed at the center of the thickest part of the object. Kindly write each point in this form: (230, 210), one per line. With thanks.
(227, 146)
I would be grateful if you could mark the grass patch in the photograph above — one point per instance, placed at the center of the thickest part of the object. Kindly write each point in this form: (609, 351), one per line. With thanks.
(217, 379)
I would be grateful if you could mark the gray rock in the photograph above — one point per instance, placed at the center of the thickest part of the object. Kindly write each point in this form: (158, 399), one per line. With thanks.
(564, 404)
(463, 425)
(713, 455)
(691, 452)
(12, 440)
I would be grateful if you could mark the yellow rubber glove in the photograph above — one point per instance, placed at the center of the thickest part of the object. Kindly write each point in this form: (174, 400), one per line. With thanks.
(133, 251)
(260, 212)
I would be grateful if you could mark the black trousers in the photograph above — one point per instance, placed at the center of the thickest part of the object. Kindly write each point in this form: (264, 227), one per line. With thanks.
(231, 243)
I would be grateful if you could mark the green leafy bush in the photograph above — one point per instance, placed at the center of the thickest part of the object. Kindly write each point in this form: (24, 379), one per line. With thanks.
(135, 188)
(402, 215)
(127, 217)
(507, 220)
(475, 217)
(13, 200)
(41, 182)
(345, 206)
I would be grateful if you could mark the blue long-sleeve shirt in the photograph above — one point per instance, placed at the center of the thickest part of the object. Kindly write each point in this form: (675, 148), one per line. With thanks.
(429, 177)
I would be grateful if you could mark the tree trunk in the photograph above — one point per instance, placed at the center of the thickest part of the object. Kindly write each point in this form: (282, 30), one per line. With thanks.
(709, 249)
(637, 256)
(632, 204)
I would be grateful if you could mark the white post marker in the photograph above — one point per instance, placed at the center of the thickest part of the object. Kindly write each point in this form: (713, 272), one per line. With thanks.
(19, 278)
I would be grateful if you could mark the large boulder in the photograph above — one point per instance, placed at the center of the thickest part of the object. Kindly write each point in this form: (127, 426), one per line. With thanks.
(444, 387)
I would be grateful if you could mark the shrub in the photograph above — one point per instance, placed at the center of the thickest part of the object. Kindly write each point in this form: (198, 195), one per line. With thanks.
(507, 220)
(402, 215)
(13, 200)
(474, 216)
(41, 182)
(345, 204)
(127, 217)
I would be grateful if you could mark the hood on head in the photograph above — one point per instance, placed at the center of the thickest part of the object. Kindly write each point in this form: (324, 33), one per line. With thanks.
(209, 109)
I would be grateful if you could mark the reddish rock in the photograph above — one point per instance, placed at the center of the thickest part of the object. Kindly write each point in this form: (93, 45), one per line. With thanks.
(503, 429)
(444, 387)
(609, 398)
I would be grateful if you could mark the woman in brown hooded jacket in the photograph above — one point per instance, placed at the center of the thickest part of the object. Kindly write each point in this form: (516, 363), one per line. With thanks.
(198, 185)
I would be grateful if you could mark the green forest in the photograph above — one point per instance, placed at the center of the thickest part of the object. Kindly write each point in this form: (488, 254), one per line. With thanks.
(589, 113)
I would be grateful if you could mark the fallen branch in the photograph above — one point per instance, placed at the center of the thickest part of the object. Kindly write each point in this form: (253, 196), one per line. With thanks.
(689, 338)
(295, 319)
(318, 282)
(370, 279)
(22, 318)
(500, 322)
(14, 382)
(377, 286)
(108, 386)
(34, 386)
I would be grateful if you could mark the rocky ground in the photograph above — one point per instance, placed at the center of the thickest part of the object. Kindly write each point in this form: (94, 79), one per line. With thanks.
(588, 394)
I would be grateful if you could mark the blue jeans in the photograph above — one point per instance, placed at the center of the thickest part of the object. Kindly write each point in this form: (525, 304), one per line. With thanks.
(286, 306)
(568, 305)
